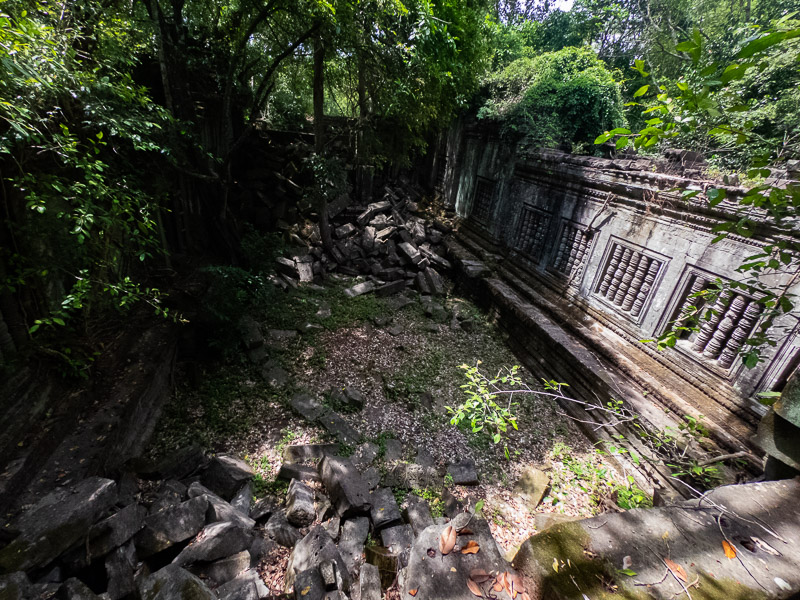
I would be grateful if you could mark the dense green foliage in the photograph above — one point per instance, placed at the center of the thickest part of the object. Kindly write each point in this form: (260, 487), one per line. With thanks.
(567, 96)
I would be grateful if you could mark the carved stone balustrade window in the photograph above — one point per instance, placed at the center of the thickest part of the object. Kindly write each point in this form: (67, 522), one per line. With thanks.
(531, 232)
(627, 279)
(720, 338)
(573, 247)
(484, 199)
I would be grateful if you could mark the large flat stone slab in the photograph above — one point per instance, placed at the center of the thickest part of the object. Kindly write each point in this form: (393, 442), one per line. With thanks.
(687, 533)
(56, 522)
(436, 576)
(170, 526)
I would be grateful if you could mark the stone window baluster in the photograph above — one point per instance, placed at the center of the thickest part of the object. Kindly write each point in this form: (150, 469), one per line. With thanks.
(608, 276)
(627, 253)
(627, 278)
(717, 341)
(636, 283)
(740, 334)
(707, 329)
(647, 285)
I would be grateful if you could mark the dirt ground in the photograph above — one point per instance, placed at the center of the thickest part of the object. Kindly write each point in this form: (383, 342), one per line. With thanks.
(408, 368)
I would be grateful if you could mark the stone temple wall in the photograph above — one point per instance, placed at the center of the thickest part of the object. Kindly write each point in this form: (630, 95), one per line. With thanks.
(611, 245)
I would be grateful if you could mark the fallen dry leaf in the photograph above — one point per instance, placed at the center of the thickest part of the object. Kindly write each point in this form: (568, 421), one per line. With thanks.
(465, 531)
(413, 592)
(729, 549)
(453, 569)
(472, 547)
(677, 569)
(479, 575)
(447, 541)
(500, 582)
(474, 588)
(516, 582)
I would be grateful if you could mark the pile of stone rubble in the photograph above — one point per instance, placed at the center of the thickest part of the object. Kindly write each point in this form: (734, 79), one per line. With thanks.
(386, 241)
(187, 527)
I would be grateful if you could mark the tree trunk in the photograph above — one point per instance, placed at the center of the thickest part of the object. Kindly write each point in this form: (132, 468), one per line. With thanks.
(319, 138)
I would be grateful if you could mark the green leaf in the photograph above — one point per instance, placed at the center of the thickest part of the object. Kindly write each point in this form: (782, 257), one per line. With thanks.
(628, 572)
(761, 44)
(621, 143)
(715, 196)
(641, 91)
(686, 46)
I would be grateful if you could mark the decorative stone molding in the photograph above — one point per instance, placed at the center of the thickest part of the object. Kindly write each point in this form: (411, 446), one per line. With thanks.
(628, 277)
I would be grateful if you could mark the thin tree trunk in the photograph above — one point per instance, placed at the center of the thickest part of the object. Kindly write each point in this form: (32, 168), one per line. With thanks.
(319, 137)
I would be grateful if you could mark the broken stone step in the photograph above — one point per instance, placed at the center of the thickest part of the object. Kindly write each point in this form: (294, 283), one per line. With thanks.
(463, 472)
(370, 583)
(334, 424)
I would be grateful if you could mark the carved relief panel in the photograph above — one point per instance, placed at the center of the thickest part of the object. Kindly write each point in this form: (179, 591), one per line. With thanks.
(531, 232)
(628, 277)
(483, 202)
(733, 319)
(574, 244)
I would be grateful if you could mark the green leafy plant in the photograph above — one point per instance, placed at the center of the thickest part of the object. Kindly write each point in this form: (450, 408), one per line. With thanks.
(481, 410)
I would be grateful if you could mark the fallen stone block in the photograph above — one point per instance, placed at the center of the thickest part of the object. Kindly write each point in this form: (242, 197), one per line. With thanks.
(352, 540)
(243, 498)
(364, 455)
(463, 472)
(56, 522)
(250, 331)
(310, 552)
(260, 549)
(300, 504)
(215, 541)
(372, 477)
(288, 472)
(115, 530)
(385, 562)
(421, 282)
(75, 589)
(370, 583)
(394, 450)
(532, 486)
(223, 570)
(309, 585)
(328, 572)
(121, 567)
(391, 288)
(301, 452)
(306, 406)
(345, 230)
(446, 576)
(15, 586)
(435, 282)
(385, 512)
(332, 526)
(174, 583)
(629, 537)
(334, 424)
(247, 586)
(347, 489)
(398, 540)
(411, 251)
(170, 493)
(225, 475)
(281, 531)
(262, 509)
(219, 510)
(418, 514)
(171, 526)
(372, 210)
(359, 289)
